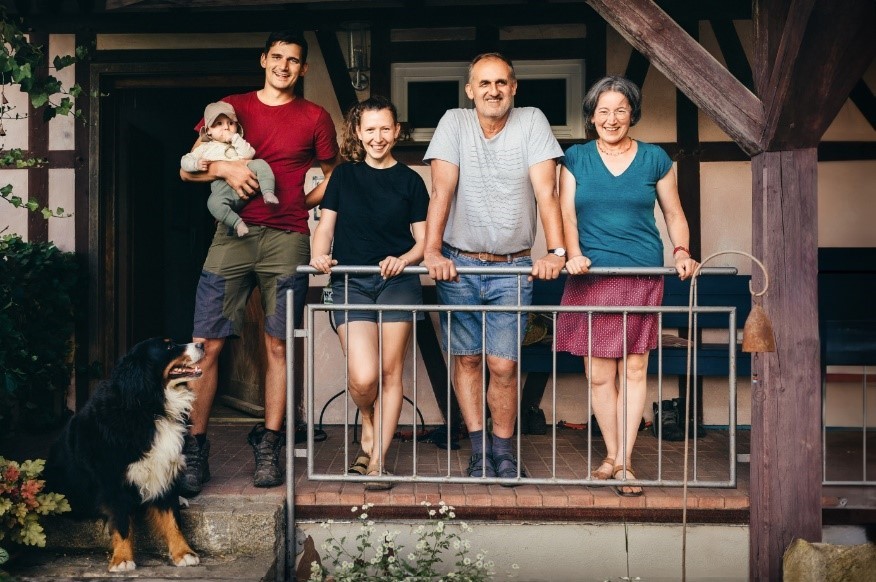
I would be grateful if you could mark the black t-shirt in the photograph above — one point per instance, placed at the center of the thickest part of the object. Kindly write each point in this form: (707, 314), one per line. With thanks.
(376, 208)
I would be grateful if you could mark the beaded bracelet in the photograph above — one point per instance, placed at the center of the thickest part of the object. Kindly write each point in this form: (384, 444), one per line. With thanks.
(681, 248)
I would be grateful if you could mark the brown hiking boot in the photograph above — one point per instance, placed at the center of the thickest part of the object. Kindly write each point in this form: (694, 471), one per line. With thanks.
(197, 471)
(266, 446)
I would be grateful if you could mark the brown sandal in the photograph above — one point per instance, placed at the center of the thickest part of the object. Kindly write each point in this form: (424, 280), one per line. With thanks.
(603, 475)
(360, 465)
(628, 474)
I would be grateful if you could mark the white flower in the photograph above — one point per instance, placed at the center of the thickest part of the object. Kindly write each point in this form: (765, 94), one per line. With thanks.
(451, 515)
(411, 557)
(391, 559)
(515, 566)
(363, 516)
(431, 513)
(456, 544)
(354, 509)
(466, 561)
(439, 527)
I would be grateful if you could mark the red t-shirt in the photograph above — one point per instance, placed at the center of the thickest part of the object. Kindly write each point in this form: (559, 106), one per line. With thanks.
(289, 137)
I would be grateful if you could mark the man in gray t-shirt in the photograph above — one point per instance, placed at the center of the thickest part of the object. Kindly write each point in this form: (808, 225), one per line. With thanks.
(492, 167)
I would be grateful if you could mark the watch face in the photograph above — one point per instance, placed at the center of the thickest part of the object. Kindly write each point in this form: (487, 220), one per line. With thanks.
(559, 251)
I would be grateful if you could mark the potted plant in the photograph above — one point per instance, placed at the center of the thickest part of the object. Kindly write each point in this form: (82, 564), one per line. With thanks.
(22, 503)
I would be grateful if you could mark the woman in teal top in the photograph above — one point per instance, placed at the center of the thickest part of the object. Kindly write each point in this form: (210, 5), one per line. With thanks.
(608, 188)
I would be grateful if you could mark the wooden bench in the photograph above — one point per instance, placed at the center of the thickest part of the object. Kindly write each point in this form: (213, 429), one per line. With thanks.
(712, 358)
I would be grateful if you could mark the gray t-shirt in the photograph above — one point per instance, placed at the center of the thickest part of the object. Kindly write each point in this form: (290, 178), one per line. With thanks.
(494, 208)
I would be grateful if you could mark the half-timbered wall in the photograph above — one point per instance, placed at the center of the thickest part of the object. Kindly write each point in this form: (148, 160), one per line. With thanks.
(846, 206)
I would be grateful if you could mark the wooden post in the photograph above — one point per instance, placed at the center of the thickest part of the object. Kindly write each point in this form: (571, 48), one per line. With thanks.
(786, 396)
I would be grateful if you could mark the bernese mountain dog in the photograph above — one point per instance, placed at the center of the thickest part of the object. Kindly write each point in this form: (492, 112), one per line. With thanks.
(121, 455)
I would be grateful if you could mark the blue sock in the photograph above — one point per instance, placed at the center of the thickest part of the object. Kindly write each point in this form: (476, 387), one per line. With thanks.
(502, 446)
(477, 442)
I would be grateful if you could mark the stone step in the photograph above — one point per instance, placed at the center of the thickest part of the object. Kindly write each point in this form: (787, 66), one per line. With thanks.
(236, 537)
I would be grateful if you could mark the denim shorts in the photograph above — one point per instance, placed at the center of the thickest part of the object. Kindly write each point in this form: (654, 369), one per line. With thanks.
(267, 258)
(503, 338)
(373, 290)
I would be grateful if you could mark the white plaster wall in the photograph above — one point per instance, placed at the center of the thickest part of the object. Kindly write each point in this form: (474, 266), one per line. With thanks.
(14, 220)
(846, 204)
(16, 129)
(62, 127)
(576, 552)
(62, 194)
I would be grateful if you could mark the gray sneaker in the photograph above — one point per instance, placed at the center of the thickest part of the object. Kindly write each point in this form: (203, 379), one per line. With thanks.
(266, 446)
(197, 471)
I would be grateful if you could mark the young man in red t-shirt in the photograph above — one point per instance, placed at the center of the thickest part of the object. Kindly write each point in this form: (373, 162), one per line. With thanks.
(288, 132)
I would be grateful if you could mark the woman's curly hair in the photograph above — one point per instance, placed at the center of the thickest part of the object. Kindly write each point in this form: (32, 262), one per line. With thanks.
(351, 148)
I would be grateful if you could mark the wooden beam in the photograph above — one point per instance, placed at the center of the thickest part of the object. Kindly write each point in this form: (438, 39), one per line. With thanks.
(775, 93)
(863, 99)
(594, 50)
(734, 54)
(687, 129)
(837, 47)
(689, 66)
(337, 68)
(80, 216)
(786, 387)
(637, 68)
(769, 17)
(381, 61)
(38, 178)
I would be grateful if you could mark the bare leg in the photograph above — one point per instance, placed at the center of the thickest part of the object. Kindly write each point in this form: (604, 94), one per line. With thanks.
(395, 343)
(468, 384)
(636, 388)
(362, 372)
(205, 386)
(502, 395)
(604, 398)
(275, 382)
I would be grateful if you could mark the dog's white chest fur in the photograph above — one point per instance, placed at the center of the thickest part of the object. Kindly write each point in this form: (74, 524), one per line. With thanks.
(158, 468)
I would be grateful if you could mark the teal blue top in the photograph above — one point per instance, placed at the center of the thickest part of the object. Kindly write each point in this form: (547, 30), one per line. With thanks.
(616, 225)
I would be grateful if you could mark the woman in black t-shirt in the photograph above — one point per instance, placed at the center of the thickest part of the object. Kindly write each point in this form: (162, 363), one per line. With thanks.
(374, 210)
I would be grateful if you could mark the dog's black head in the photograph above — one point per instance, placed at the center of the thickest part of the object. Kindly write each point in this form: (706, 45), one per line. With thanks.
(154, 365)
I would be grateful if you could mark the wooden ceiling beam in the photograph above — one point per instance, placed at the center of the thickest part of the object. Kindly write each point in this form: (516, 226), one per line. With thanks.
(685, 62)
(835, 50)
(734, 54)
(774, 94)
(864, 100)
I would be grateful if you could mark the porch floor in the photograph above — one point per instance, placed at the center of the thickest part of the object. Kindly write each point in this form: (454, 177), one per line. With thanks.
(232, 466)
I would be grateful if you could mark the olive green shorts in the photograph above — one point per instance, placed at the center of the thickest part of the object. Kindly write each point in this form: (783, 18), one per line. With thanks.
(265, 257)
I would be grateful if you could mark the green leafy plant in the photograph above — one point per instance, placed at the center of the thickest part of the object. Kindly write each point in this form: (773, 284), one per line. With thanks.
(21, 63)
(372, 556)
(23, 502)
(38, 284)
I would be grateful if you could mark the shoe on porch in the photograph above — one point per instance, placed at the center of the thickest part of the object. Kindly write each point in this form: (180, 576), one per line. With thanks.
(266, 445)
(197, 471)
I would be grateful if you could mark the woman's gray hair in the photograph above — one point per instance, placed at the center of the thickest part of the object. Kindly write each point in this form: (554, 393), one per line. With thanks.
(616, 83)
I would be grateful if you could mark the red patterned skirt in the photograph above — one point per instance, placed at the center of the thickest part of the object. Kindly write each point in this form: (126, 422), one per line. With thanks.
(609, 290)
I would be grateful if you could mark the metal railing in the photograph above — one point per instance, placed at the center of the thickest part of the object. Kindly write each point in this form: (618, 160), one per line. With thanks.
(446, 311)
(844, 444)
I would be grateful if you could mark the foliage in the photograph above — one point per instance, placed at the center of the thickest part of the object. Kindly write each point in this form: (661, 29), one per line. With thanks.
(383, 558)
(20, 65)
(37, 287)
(23, 501)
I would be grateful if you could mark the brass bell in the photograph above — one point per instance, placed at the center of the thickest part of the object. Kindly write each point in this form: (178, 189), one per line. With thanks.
(757, 334)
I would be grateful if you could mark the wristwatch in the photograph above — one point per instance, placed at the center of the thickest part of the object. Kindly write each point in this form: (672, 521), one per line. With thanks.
(559, 251)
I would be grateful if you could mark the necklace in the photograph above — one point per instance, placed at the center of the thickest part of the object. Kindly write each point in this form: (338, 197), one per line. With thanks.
(608, 153)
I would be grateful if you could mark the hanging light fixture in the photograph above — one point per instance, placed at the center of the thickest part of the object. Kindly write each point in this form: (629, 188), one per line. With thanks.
(357, 53)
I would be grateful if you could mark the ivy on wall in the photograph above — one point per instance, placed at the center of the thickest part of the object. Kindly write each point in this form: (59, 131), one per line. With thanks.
(21, 66)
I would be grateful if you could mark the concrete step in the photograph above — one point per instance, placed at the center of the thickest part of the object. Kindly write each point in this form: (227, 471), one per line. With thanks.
(236, 537)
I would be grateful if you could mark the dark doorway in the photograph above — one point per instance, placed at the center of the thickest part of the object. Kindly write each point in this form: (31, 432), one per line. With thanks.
(167, 223)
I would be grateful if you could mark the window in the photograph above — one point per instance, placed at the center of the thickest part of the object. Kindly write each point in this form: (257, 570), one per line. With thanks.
(424, 91)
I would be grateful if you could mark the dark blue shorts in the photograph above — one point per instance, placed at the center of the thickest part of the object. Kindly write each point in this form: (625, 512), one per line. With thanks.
(374, 289)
